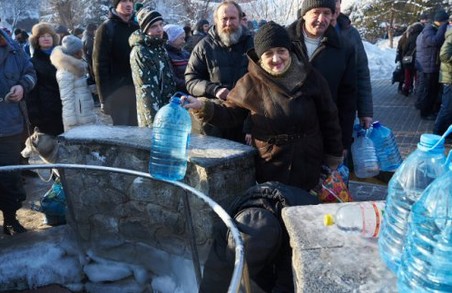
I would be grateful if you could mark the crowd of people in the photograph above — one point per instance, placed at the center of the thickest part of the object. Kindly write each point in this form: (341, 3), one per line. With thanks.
(291, 92)
(423, 53)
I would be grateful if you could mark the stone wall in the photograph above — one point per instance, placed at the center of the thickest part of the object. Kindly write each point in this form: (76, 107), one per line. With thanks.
(132, 220)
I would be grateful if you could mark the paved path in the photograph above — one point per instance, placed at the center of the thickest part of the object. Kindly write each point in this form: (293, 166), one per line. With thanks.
(398, 113)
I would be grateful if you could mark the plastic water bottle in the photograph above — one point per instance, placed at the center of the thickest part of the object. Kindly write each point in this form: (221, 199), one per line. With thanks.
(365, 162)
(169, 141)
(388, 155)
(418, 170)
(426, 264)
(363, 218)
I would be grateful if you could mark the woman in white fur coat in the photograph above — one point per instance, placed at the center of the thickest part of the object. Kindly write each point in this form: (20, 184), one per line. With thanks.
(78, 104)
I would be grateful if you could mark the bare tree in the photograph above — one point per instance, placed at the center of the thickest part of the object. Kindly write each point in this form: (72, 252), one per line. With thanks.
(17, 10)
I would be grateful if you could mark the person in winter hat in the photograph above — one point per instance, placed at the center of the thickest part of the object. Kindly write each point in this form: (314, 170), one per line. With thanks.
(111, 64)
(76, 98)
(44, 103)
(151, 67)
(332, 55)
(200, 31)
(17, 78)
(344, 27)
(428, 45)
(292, 114)
(178, 55)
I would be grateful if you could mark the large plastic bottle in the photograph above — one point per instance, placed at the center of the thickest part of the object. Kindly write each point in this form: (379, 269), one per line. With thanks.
(365, 162)
(388, 154)
(418, 170)
(169, 141)
(426, 264)
(363, 218)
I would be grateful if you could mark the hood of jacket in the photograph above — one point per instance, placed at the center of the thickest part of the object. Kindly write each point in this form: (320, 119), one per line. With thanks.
(343, 21)
(138, 38)
(63, 61)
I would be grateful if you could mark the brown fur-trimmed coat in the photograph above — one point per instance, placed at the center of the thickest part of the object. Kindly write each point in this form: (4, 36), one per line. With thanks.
(295, 124)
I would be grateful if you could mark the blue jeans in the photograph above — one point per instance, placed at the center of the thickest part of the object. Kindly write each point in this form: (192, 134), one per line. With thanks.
(444, 118)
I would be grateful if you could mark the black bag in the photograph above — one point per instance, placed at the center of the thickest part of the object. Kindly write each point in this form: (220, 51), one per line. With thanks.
(407, 60)
(397, 75)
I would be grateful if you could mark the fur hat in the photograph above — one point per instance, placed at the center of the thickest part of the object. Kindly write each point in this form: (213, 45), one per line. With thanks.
(71, 45)
(311, 4)
(441, 16)
(43, 28)
(173, 31)
(146, 17)
(271, 35)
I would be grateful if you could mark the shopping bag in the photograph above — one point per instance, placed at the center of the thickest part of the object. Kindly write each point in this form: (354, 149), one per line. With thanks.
(53, 205)
(332, 187)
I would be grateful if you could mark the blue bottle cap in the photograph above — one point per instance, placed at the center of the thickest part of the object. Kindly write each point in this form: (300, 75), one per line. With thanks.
(376, 124)
(428, 141)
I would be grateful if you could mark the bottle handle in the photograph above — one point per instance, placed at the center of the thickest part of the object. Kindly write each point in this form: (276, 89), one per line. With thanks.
(443, 138)
(179, 94)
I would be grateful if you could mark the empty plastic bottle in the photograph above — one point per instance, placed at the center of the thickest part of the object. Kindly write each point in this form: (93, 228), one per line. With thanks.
(388, 154)
(426, 264)
(169, 141)
(418, 170)
(363, 218)
(365, 162)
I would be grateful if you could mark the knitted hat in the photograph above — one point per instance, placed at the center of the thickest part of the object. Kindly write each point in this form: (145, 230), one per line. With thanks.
(71, 45)
(173, 31)
(270, 35)
(40, 29)
(311, 4)
(441, 16)
(146, 17)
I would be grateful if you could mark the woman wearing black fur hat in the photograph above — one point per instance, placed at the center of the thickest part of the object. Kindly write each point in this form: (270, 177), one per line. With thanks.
(295, 124)
(44, 103)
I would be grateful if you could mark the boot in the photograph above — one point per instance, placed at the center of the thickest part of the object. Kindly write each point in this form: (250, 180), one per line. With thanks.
(11, 225)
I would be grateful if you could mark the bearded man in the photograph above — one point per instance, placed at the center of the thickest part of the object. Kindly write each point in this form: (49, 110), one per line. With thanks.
(217, 62)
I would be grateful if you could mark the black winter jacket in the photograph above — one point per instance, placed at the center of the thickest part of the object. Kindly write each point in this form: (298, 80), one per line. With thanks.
(44, 102)
(212, 65)
(365, 103)
(335, 60)
(111, 55)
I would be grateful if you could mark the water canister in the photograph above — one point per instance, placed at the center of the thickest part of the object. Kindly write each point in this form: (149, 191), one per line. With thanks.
(365, 162)
(169, 141)
(426, 264)
(418, 170)
(388, 155)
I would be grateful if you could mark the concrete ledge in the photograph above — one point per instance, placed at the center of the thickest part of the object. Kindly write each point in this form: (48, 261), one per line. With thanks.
(327, 260)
